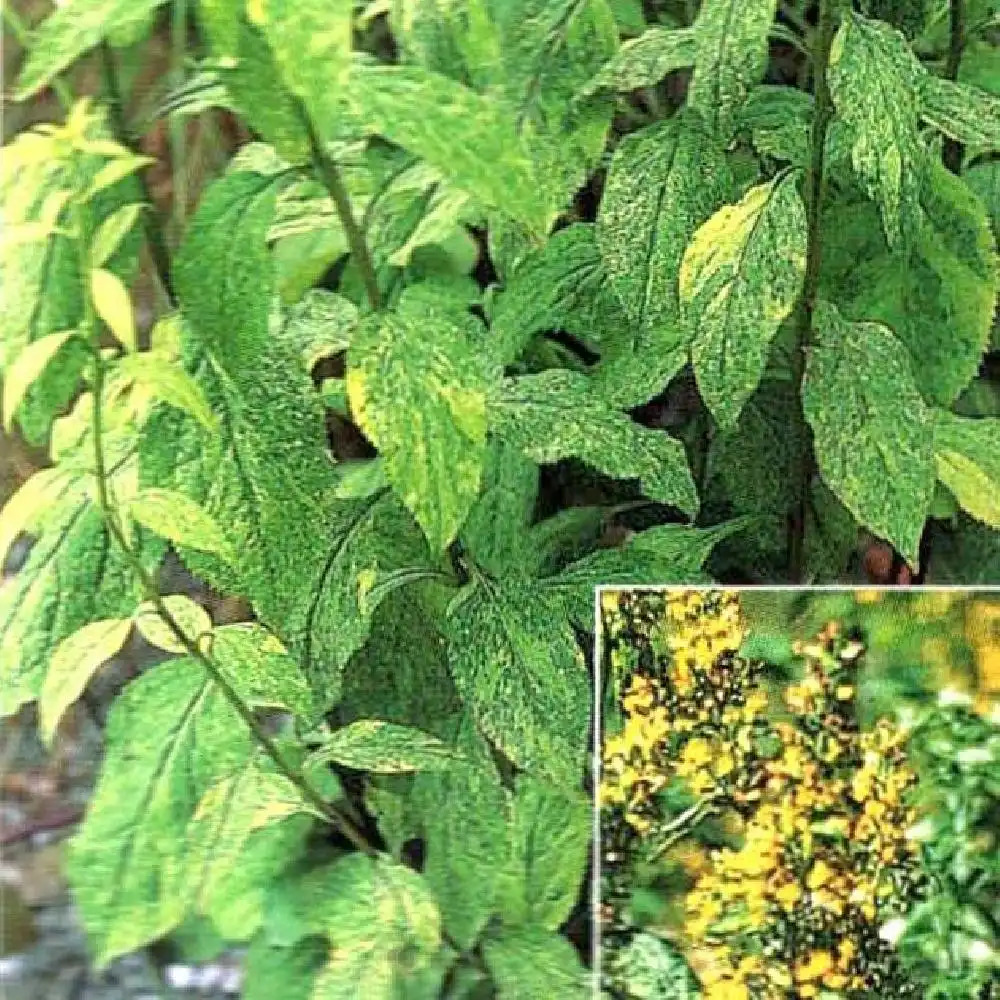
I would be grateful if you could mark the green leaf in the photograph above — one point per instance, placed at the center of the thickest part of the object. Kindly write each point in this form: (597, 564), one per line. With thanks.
(740, 278)
(307, 561)
(192, 618)
(666, 553)
(779, 120)
(74, 575)
(311, 43)
(529, 962)
(110, 174)
(229, 816)
(170, 383)
(223, 272)
(384, 748)
(424, 112)
(550, 832)
(113, 229)
(27, 367)
(732, 49)
(418, 392)
(25, 509)
(74, 662)
(647, 966)
(114, 306)
(170, 736)
(322, 324)
(494, 532)
(285, 972)
(548, 50)
(945, 279)
(875, 82)
(646, 60)
(464, 818)
(43, 287)
(246, 65)
(521, 675)
(873, 432)
(967, 458)
(384, 929)
(259, 668)
(556, 415)
(70, 31)
(177, 518)
(663, 182)
(562, 286)
(967, 114)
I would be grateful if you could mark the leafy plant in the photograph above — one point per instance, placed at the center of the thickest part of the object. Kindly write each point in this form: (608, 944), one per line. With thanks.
(406, 393)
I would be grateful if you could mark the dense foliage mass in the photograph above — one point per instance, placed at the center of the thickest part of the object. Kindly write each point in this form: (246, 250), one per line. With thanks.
(826, 846)
(500, 300)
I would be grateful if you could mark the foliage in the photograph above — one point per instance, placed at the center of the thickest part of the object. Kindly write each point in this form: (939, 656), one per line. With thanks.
(852, 855)
(491, 308)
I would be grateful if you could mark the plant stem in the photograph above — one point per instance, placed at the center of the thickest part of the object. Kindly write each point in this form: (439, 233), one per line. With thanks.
(682, 825)
(151, 219)
(176, 124)
(952, 151)
(823, 41)
(329, 175)
(151, 591)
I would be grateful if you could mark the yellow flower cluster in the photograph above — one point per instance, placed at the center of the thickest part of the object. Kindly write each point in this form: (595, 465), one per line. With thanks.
(687, 714)
(795, 911)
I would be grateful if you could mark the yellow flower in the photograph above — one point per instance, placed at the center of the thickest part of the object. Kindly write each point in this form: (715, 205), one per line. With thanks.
(816, 965)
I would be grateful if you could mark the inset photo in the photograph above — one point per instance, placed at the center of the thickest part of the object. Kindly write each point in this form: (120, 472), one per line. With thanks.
(798, 794)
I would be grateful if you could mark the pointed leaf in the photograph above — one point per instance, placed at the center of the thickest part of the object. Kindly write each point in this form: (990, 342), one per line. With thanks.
(113, 230)
(779, 120)
(384, 748)
(170, 383)
(418, 392)
(873, 432)
(967, 114)
(177, 518)
(664, 181)
(114, 306)
(424, 112)
(24, 510)
(192, 618)
(110, 174)
(646, 60)
(740, 278)
(529, 962)
(875, 80)
(667, 553)
(375, 913)
(521, 675)
(170, 737)
(27, 367)
(75, 661)
(556, 415)
(463, 812)
(967, 457)
(550, 833)
(71, 30)
(562, 286)
(732, 50)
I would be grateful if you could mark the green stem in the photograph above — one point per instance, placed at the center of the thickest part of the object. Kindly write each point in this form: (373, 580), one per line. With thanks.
(682, 825)
(22, 35)
(952, 151)
(329, 175)
(177, 125)
(151, 219)
(823, 41)
(151, 591)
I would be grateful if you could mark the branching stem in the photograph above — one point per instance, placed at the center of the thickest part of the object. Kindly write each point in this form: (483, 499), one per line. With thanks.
(106, 506)
(823, 41)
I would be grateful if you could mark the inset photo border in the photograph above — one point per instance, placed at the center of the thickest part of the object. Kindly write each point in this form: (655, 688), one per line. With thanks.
(797, 793)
